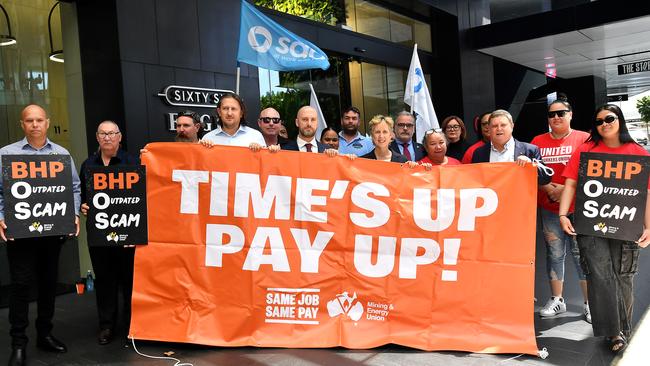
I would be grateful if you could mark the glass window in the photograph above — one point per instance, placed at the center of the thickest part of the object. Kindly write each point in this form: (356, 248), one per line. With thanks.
(27, 75)
(374, 20)
(323, 11)
(377, 89)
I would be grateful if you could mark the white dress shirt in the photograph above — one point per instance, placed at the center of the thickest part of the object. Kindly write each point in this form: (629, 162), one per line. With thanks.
(302, 143)
(244, 136)
(508, 153)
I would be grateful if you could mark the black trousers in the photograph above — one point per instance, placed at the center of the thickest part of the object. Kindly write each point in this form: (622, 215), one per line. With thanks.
(32, 260)
(610, 266)
(114, 272)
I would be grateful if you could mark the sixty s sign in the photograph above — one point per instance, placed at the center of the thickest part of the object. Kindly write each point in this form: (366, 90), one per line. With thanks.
(187, 96)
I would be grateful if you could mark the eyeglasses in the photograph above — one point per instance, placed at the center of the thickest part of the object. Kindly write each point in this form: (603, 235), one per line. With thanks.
(110, 135)
(405, 125)
(452, 127)
(560, 113)
(608, 119)
(275, 120)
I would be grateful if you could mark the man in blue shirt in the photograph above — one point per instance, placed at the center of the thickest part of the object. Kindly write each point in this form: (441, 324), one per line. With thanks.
(352, 142)
(34, 258)
(231, 129)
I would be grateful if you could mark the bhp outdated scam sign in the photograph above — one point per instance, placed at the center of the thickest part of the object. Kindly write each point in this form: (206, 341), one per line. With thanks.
(303, 250)
(38, 195)
(611, 195)
(117, 203)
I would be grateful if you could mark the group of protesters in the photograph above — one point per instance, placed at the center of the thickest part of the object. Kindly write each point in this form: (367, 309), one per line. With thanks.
(605, 278)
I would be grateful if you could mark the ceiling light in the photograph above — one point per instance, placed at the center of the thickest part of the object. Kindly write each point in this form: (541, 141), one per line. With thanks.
(7, 39)
(56, 56)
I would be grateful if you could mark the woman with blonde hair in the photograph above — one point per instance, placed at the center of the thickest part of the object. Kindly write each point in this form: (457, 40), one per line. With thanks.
(380, 131)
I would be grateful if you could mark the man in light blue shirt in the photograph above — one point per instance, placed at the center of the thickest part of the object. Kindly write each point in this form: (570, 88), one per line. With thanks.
(34, 258)
(231, 129)
(352, 142)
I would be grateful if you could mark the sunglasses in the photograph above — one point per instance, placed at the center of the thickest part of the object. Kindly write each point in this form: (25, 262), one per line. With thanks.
(275, 120)
(608, 119)
(433, 130)
(560, 114)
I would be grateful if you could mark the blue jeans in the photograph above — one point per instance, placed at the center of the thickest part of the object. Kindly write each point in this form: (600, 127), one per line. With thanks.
(557, 243)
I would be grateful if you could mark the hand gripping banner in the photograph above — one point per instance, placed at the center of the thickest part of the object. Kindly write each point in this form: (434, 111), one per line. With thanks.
(303, 250)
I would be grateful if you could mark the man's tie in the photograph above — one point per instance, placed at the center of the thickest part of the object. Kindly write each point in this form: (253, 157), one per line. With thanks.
(407, 153)
(308, 146)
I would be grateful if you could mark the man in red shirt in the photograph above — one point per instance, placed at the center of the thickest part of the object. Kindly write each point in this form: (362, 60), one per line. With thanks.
(556, 148)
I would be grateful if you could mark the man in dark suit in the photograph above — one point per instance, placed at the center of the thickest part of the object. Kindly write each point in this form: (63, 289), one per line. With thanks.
(307, 122)
(505, 148)
(403, 143)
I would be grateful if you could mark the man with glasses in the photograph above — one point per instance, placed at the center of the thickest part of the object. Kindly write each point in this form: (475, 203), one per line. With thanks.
(188, 127)
(505, 148)
(307, 123)
(270, 124)
(403, 143)
(352, 142)
(113, 266)
(556, 148)
(34, 259)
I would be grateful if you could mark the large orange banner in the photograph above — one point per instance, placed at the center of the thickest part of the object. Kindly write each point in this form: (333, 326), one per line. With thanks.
(303, 250)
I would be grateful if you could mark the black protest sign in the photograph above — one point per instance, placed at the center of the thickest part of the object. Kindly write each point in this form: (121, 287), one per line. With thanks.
(38, 196)
(117, 200)
(611, 195)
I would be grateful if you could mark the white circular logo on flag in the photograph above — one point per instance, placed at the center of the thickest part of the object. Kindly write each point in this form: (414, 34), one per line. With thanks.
(252, 38)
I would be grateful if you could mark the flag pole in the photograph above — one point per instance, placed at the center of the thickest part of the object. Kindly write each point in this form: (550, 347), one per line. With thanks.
(237, 82)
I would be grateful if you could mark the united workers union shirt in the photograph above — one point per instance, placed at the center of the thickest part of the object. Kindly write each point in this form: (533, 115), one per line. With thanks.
(555, 154)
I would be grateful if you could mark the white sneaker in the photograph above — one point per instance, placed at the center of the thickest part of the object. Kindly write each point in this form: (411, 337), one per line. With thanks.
(554, 306)
(587, 312)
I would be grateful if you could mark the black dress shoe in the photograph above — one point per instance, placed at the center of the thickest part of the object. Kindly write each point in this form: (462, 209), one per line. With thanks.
(51, 344)
(105, 336)
(18, 357)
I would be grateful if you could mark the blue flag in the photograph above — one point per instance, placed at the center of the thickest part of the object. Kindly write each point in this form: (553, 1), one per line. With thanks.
(264, 43)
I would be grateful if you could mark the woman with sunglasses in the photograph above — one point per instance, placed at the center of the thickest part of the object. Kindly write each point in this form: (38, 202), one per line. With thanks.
(435, 145)
(610, 265)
